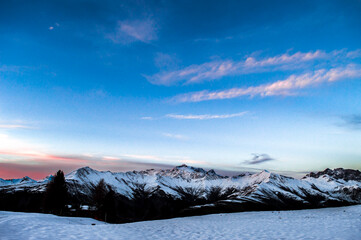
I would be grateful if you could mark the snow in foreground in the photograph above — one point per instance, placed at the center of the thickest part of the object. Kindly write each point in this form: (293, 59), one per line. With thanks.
(327, 223)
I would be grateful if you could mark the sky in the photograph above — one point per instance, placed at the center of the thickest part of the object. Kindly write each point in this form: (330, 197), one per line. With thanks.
(229, 85)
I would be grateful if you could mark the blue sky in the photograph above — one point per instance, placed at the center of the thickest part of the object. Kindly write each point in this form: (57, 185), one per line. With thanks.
(230, 85)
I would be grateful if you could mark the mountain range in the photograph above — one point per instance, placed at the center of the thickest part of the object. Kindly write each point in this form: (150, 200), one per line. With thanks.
(247, 191)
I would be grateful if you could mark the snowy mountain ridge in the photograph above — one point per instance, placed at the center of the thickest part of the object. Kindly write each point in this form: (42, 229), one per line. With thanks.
(326, 188)
(6, 182)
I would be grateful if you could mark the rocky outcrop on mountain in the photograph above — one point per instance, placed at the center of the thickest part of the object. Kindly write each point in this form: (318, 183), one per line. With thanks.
(338, 173)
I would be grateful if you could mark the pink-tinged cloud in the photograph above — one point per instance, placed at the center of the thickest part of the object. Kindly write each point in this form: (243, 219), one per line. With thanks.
(40, 156)
(39, 171)
(132, 31)
(37, 165)
(285, 59)
(218, 69)
(285, 87)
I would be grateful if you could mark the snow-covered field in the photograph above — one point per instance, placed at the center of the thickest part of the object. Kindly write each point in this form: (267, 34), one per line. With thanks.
(327, 223)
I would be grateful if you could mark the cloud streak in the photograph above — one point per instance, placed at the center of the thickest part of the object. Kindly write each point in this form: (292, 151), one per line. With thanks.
(38, 164)
(354, 54)
(14, 126)
(258, 159)
(205, 116)
(147, 118)
(133, 31)
(175, 136)
(286, 87)
(217, 69)
(14, 151)
(11, 68)
(38, 171)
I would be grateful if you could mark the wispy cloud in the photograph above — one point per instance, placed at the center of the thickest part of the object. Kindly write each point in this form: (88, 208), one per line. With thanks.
(14, 126)
(147, 118)
(24, 159)
(42, 156)
(258, 159)
(136, 30)
(143, 157)
(10, 68)
(37, 156)
(221, 68)
(354, 54)
(40, 170)
(205, 116)
(165, 61)
(195, 73)
(27, 153)
(175, 136)
(97, 93)
(286, 87)
(285, 59)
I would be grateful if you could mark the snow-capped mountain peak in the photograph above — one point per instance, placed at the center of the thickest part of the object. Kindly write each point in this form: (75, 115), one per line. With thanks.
(189, 172)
